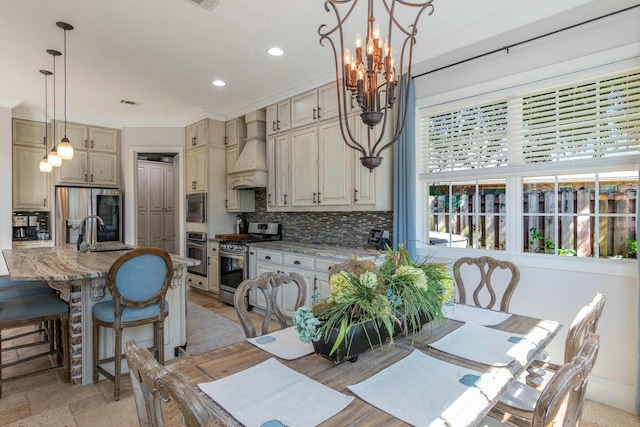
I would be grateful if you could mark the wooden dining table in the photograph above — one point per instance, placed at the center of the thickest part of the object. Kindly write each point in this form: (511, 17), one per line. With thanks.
(217, 364)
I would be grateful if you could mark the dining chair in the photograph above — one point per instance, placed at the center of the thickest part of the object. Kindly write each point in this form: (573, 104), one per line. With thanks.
(485, 267)
(153, 384)
(523, 405)
(585, 321)
(46, 309)
(138, 282)
(270, 284)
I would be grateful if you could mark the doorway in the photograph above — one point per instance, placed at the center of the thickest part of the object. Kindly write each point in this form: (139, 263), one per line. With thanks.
(157, 201)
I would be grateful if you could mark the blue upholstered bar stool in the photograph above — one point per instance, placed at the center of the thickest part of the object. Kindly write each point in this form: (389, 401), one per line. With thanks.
(26, 310)
(138, 282)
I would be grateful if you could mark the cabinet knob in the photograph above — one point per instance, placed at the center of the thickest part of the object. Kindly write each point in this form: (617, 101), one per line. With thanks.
(92, 143)
(314, 198)
(250, 253)
(91, 177)
(273, 125)
(319, 193)
(318, 113)
(267, 257)
(85, 143)
(355, 195)
(296, 262)
(269, 196)
(278, 122)
(285, 199)
(314, 114)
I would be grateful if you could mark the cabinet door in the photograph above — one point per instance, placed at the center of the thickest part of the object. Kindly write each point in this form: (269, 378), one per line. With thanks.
(304, 167)
(26, 132)
(196, 134)
(195, 170)
(364, 186)
(272, 119)
(232, 132)
(283, 170)
(169, 231)
(334, 167)
(304, 109)
(29, 184)
(214, 274)
(76, 133)
(321, 285)
(156, 229)
(169, 182)
(103, 169)
(143, 228)
(101, 139)
(73, 171)
(156, 187)
(143, 186)
(271, 173)
(328, 102)
(283, 122)
(197, 282)
(232, 195)
(201, 170)
(263, 267)
(290, 292)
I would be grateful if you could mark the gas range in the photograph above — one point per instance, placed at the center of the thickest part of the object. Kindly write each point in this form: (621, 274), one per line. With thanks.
(258, 232)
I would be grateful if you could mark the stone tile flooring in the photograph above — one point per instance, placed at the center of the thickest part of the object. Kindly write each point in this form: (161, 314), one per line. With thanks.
(45, 400)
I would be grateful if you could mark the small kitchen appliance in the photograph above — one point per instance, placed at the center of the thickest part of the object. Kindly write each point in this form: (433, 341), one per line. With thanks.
(241, 224)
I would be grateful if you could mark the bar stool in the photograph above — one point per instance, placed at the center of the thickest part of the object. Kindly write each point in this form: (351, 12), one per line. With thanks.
(138, 282)
(45, 308)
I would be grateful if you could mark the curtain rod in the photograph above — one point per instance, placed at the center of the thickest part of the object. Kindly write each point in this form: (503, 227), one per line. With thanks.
(527, 41)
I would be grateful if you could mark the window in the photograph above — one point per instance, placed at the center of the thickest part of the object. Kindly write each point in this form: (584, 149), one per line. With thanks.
(562, 162)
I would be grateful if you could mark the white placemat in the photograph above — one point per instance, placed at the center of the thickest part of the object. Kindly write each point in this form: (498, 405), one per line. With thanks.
(271, 391)
(284, 343)
(486, 345)
(425, 391)
(468, 313)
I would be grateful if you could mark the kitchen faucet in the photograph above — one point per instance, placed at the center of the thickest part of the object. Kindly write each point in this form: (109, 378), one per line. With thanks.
(82, 227)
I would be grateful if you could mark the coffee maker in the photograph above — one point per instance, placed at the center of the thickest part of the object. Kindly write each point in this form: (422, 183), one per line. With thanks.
(242, 226)
(20, 227)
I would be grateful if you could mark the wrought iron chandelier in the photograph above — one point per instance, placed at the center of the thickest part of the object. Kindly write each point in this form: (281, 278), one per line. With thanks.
(374, 84)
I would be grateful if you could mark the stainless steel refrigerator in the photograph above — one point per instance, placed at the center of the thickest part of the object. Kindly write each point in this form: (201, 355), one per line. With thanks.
(73, 204)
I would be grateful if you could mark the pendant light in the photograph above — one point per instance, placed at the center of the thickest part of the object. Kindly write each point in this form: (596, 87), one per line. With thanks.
(44, 164)
(53, 158)
(65, 149)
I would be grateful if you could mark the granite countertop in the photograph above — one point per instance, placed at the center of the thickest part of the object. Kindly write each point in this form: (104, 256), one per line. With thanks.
(66, 263)
(318, 250)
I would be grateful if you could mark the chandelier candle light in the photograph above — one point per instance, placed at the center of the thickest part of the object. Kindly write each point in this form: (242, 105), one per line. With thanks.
(375, 84)
(53, 158)
(65, 149)
(44, 163)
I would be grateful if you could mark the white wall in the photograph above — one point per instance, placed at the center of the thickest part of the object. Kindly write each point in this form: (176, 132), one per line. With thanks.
(552, 288)
(5, 188)
(149, 140)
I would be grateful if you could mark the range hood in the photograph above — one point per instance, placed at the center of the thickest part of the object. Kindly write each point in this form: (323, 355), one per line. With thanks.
(250, 170)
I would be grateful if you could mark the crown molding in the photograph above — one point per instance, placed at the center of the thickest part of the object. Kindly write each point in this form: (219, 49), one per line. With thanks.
(150, 122)
(201, 112)
(6, 102)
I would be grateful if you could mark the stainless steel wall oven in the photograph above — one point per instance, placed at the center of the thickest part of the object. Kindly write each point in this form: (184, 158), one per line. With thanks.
(196, 245)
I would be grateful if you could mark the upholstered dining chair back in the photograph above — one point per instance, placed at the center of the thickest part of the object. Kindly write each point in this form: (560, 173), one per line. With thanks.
(270, 285)
(586, 321)
(481, 281)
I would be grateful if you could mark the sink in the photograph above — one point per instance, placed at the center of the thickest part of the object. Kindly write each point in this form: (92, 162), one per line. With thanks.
(110, 246)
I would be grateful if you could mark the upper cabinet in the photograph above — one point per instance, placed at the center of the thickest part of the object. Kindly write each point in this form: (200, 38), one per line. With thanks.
(96, 158)
(236, 200)
(199, 138)
(279, 172)
(196, 134)
(314, 106)
(30, 186)
(279, 117)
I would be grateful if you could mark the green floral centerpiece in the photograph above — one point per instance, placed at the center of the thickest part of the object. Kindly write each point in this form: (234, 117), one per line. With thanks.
(369, 304)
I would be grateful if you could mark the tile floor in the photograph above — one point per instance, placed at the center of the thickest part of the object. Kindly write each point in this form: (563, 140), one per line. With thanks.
(45, 400)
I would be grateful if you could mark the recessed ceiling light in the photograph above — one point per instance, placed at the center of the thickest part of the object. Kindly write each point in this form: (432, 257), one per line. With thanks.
(275, 51)
(219, 83)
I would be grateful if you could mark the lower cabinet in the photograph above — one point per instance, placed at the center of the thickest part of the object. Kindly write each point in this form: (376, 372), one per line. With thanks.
(197, 282)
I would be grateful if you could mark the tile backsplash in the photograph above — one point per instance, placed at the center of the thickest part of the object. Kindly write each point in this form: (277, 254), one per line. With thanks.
(350, 229)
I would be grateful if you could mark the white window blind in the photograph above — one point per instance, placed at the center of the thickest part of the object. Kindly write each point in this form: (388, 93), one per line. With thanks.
(591, 120)
(468, 138)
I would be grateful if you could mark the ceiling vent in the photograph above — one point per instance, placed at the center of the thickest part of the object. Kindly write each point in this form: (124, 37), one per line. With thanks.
(205, 4)
(125, 101)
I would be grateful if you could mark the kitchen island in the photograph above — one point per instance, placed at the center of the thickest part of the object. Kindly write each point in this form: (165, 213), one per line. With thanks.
(80, 279)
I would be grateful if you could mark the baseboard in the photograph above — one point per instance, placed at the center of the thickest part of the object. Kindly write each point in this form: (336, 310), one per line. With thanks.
(612, 394)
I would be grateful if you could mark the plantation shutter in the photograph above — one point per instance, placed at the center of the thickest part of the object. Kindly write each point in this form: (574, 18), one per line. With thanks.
(592, 120)
(464, 139)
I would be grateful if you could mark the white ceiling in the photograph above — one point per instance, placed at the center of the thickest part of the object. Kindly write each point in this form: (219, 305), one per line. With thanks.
(164, 54)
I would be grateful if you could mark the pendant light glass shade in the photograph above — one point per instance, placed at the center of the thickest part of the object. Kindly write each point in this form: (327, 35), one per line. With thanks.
(53, 158)
(45, 166)
(65, 149)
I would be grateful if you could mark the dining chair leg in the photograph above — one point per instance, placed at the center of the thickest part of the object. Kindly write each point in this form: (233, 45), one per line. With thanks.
(117, 364)
(160, 341)
(96, 339)
(0, 363)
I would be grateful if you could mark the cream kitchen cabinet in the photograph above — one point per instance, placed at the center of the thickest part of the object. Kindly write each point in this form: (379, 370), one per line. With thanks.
(279, 172)
(321, 165)
(156, 205)
(196, 170)
(27, 132)
(95, 157)
(279, 117)
(314, 106)
(213, 273)
(196, 135)
(30, 186)
(198, 282)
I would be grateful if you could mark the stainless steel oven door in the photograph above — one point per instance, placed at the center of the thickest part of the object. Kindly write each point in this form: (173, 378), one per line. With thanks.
(197, 250)
(197, 207)
(233, 270)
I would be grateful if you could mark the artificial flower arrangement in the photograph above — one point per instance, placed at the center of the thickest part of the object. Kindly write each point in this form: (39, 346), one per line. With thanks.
(399, 296)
